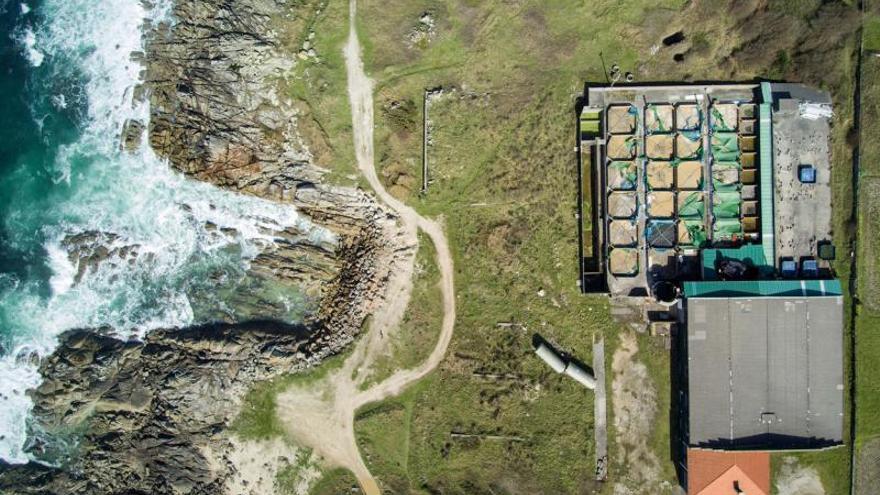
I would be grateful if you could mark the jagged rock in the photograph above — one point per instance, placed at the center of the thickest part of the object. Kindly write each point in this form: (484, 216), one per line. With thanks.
(214, 109)
(148, 408)
(87, 250)
(132, 134)
(142, 414)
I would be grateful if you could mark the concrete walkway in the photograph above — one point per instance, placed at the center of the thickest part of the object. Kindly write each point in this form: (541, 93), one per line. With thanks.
(601, 411)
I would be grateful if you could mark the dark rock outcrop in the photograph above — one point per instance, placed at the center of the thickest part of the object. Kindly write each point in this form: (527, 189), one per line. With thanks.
(141, 412)
(215, 112)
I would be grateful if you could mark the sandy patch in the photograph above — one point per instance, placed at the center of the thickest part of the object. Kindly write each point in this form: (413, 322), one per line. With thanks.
(621, 119)
(659, 146)
(624, 261)
(634, 399)
(796, 480)
(255, 466)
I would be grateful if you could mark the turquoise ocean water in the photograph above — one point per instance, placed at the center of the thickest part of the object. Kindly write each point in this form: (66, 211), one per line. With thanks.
(66, 85)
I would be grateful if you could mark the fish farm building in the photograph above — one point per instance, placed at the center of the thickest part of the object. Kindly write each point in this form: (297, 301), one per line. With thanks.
(714, 200)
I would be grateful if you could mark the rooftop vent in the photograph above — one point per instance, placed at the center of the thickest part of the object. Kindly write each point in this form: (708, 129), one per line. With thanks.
(807, 174)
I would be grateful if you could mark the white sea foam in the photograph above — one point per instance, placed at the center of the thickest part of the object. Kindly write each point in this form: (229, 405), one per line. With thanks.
(59, 101)
(63, 271)
(28, 40)
(150, 209)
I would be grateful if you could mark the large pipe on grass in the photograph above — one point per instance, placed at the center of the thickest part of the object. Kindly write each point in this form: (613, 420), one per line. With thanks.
(572, 369)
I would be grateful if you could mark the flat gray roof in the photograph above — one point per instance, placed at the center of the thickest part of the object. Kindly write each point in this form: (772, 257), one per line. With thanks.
(765, 372)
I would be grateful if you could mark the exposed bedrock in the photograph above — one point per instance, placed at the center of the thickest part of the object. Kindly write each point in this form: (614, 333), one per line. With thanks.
(133, 417)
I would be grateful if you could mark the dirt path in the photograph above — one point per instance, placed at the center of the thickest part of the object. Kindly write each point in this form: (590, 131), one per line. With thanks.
(321, 415)
(634, 399)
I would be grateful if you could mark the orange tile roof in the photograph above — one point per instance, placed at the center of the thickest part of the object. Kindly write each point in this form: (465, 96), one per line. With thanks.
(721, 473)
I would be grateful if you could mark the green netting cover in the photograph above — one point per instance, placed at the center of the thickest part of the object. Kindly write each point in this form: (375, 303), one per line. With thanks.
(718, 121)
(725, 176)
(696, 231)
(726, 228)
(725, 147)
(724, 142)
(590, 114)
(725, 156)
(623, 175)
(725, 204)
(692, 206)
(658, 122)
(631, 143)
(693, 121)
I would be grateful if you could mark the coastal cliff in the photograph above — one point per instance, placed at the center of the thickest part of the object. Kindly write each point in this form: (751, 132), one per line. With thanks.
(139, 416)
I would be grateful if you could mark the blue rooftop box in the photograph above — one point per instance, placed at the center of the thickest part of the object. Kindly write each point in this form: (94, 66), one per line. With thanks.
(807, 174)
(810, 268)
(789, 269)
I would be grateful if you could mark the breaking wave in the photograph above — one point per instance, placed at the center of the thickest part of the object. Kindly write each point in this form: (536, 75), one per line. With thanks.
(163, 239)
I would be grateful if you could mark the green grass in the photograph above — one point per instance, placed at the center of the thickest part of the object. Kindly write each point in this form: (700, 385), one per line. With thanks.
(383, 432)
(867, 321)
(869, 211)
(871, 35)
(290, 477)
(868, 377)
(417, 335)
(504, 182)
(318, 87)
(257, 419)
(501, 174)
(334, 482)
(831, 465)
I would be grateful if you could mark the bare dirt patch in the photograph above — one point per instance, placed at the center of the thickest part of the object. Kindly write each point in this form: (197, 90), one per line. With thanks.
(257, 465)
(794, 479)
(634, 400)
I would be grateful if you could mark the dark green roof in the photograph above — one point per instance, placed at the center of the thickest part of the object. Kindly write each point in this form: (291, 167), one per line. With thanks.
(750, 254)
(764, 288)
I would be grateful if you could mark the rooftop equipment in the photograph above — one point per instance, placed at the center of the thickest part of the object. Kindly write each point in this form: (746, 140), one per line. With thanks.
(789, 269)
(810, 268)
(807, 174)
(815, 111)
(826, 251)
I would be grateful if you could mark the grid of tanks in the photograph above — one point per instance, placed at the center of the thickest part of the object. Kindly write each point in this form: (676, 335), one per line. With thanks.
(657, 195)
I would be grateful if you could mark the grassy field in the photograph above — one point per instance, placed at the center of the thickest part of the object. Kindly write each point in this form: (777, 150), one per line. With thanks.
(335, 482)
(868, 308)
(871, 34)
(493, 418)
(317, 85)
(503, 180)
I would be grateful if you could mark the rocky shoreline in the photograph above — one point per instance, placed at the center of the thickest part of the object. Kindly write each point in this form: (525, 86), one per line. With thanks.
(140, 416)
